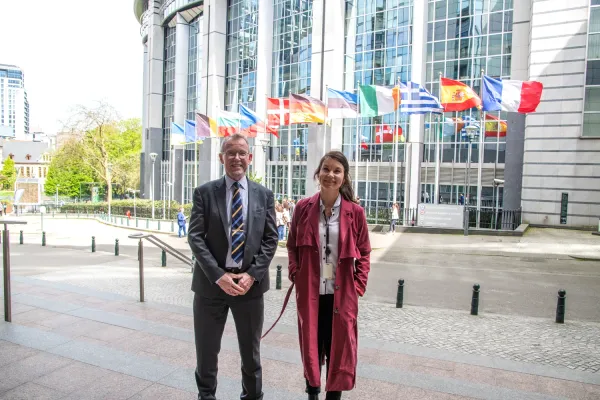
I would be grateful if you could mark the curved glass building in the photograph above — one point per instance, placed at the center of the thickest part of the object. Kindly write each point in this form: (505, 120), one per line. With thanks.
(212, 55)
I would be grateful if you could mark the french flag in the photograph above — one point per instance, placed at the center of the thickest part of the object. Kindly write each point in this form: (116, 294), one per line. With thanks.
(512, 96)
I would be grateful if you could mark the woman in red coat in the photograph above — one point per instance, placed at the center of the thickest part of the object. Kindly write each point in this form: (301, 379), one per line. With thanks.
(328, 248)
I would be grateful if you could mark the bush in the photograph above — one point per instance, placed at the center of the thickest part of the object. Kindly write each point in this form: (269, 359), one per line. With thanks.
(143, 208)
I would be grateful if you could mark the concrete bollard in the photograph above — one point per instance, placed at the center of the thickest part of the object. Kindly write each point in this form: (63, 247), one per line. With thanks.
(116, 247)
(278, 280)
(400, 294)
(21, 237)
(475, 300)
(93, 244)
(163, 258)
(43, 239)
(561, 306)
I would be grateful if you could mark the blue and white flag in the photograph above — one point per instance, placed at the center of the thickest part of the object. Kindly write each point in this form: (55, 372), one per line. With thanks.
(417, 100)
(177, 134)
(190, 131)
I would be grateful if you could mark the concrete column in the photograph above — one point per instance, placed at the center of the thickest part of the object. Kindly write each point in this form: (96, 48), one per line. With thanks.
(412, 193)
(182, 40)
(513, 167)
(264, 65)
(153, 106)
(212, 99)
(327, 66)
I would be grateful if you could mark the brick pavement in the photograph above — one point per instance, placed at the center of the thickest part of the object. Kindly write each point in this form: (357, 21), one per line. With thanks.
(68, 342)
(574, 345)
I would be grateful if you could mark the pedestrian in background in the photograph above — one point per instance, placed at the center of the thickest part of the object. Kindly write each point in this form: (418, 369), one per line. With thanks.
(181, 222)
(279, 220)
(395, 217)
(329, 262)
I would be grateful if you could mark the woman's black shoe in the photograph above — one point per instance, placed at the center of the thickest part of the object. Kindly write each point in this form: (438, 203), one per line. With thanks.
(333, 396)
(313, 397)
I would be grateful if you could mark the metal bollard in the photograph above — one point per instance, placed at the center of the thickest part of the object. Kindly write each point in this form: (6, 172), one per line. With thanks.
(43, 238)
(93, 244)
(21, 237)
(278, 280)
(159, 224)
(400, 294)
(141, 265)
(193, 262)
(561, 306)
(136, 222)
(6, 275)
(147, 223)
(475, 300)
(172, 227)
(116, 247)
(163, 258)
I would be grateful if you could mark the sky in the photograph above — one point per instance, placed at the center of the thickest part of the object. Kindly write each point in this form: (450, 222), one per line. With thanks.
(73, 52)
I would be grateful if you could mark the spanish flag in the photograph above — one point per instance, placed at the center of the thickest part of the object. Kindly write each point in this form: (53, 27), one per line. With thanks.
(456, 96)
(494, 126)
(305, 110)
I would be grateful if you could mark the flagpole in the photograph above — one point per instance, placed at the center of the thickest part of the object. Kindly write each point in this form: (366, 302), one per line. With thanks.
(357, 144)
(395, 143)
(436, 192)
(325, 123)
(481, 151)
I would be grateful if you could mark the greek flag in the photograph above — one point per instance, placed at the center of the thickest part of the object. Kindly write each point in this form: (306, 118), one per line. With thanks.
(417, 100)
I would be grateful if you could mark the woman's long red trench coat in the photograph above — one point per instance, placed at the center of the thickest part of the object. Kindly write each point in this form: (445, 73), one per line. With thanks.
(350, 282)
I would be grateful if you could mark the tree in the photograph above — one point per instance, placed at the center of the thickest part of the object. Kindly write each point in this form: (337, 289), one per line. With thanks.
(8, 174)
(255, 178)
(68, 170)
(125, 151)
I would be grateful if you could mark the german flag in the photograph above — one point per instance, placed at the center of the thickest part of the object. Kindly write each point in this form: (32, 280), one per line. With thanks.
(306, 110)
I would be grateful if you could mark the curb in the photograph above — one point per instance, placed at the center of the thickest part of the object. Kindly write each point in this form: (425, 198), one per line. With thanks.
(585, 258)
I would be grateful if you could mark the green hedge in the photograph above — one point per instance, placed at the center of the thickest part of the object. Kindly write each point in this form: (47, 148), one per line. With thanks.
(143, 208)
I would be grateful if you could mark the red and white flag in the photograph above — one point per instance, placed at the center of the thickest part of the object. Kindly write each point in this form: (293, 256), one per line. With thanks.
(278, 112)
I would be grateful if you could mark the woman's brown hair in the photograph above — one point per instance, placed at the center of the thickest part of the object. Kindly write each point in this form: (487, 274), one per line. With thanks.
(346, 189)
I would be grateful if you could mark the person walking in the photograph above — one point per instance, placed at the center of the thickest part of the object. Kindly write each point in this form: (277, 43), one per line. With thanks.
(234, 238)
(395, 217)
(181, 222)
(329, 262)
(279, 219)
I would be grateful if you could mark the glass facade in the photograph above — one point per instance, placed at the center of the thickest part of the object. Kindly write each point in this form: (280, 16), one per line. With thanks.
(591, 111)
(240, 67)
(168, 89)
(193, 100)
(378, 52)
(292, 50)
(464, 39)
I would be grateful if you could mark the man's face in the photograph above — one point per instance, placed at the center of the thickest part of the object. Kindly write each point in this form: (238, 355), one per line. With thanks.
(236, 157)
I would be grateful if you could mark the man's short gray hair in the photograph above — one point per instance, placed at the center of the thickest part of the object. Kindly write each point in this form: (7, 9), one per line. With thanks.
(235, 136)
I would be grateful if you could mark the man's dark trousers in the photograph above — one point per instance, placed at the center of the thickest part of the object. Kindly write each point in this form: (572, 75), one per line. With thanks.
(208, 239)
(210, 316)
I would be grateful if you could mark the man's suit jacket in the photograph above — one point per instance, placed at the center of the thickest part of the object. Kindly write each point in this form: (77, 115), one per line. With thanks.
(208, 237)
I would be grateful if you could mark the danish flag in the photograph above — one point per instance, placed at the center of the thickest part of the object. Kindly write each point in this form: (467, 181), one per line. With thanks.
(278, 112)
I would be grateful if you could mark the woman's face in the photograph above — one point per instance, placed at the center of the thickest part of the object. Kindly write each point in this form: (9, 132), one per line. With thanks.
(331, 175)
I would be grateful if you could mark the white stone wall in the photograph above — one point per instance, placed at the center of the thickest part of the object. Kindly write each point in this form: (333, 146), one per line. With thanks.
(557, 159)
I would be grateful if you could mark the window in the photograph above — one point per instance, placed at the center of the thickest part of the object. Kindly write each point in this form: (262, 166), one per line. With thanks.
(591, 109)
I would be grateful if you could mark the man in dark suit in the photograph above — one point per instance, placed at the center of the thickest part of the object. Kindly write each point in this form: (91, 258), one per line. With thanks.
(233, 235)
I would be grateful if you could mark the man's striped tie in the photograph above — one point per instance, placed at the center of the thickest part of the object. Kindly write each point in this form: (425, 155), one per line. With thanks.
(238, 236)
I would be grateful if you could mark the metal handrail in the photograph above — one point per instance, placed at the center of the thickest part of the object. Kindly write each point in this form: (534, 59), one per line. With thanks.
(160, 244)
(163, 246)
(6, 265)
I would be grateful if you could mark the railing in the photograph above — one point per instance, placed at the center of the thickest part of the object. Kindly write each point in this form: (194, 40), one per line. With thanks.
(489, 218)
(145, 22)
(163, 246)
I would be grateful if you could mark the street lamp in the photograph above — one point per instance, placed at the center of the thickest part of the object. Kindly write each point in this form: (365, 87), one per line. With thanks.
(109, 180)
(153, 158)
(496, 194)
(472, 133)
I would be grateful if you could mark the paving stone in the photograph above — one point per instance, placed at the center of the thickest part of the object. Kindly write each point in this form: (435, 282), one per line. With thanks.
(113, 386)
(32, 391)
(10, 352)
(72, 377)
(29, 369)
(162, 392)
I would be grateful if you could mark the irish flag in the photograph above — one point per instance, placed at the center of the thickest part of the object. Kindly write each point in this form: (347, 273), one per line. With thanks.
(378, 100)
